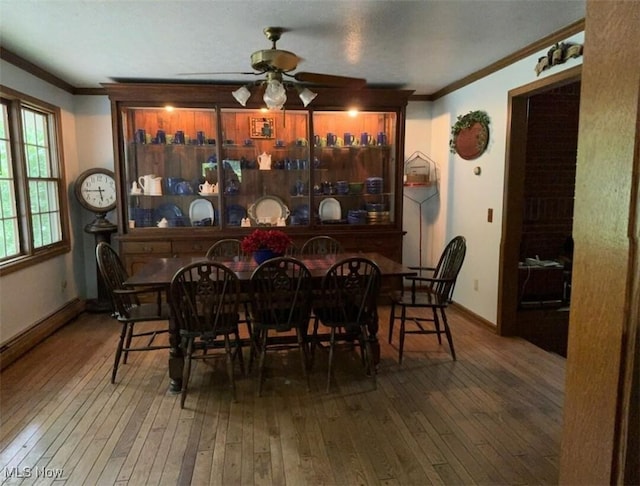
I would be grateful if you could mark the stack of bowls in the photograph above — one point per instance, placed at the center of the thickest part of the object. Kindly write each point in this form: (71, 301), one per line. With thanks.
(357, 216)
(374, 185)
(377, 213)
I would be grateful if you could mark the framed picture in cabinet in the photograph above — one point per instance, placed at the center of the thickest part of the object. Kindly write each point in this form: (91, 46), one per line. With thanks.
(261, 127)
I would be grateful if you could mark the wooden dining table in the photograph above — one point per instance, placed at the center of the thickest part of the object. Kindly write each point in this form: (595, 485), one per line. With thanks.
(160, 271)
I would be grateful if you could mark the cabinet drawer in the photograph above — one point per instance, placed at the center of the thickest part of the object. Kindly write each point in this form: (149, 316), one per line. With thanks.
(199, 247)
(146, 247)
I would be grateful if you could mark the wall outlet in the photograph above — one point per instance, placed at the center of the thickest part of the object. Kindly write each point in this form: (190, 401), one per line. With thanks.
(475, 284)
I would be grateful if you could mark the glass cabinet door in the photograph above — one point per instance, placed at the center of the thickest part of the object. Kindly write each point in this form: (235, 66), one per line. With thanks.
(354, 168)
(265, 167)
(170, 167)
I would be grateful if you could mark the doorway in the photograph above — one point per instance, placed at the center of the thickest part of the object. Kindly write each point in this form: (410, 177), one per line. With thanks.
(536, 247)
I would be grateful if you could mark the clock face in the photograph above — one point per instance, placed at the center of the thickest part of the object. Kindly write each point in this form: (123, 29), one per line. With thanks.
(96, 190)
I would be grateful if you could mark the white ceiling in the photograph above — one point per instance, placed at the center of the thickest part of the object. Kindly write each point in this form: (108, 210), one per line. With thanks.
(420, 45)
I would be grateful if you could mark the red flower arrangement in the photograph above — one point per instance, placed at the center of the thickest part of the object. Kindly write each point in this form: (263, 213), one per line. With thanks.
(274, 240)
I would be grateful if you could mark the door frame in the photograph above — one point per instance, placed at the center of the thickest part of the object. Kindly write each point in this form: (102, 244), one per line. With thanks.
(513, 195)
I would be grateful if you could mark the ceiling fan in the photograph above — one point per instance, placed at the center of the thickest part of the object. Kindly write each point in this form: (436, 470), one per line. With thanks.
(277, 64)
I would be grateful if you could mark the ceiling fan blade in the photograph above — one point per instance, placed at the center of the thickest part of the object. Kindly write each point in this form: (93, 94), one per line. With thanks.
(218, 72)
(331, 80)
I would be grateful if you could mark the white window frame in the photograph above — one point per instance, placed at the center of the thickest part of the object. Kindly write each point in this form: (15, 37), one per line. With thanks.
(31, 247)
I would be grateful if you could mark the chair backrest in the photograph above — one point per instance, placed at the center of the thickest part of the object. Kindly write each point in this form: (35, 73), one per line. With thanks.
(449, 266)
(321, 245)
(350, 291)
(204, 298)
(229, 249)
(281, 294)
(114, 275)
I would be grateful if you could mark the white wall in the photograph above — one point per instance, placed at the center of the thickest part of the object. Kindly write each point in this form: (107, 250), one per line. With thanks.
(420, 205)
(95, 149)
(466, 197)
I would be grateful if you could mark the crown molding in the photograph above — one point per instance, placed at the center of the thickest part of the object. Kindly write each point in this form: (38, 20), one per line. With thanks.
(532, 48)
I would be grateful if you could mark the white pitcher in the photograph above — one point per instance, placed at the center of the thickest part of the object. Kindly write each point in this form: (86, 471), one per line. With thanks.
(264, 160)
(151, 185)
(145, 182)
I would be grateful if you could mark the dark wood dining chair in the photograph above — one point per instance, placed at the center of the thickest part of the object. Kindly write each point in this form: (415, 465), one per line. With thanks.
(129, 307)
(281, 302)
(349, 303)
(228, 249)
(431, 289)
(321, 245)
(205, 299)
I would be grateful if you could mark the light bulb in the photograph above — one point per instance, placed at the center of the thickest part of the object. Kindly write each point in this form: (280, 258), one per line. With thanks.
(275, 95)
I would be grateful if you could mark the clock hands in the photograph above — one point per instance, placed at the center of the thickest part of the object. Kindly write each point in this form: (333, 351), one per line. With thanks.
(99, 189)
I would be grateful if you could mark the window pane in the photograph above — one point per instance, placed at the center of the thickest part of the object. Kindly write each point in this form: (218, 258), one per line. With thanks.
(9, 235)
(9, 238)
(42, 193)
(37, 230)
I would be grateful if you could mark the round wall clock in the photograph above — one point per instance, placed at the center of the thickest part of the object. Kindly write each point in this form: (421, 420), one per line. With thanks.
(96, 190)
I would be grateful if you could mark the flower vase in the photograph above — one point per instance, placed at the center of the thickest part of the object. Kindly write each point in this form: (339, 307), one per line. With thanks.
(263, 254)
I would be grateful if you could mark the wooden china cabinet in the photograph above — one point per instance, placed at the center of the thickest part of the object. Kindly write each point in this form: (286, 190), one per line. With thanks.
(334, 168)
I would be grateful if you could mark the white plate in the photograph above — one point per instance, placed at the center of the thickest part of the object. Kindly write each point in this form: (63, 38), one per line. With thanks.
(268, 209)
(201, 209)
(330, 209)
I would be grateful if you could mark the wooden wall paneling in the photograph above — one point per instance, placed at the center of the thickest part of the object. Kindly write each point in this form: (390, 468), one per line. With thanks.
(605, 300)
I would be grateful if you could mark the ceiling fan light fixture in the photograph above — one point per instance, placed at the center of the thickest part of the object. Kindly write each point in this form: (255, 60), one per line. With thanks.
(242, 95)
(306, 95)
(275, 96)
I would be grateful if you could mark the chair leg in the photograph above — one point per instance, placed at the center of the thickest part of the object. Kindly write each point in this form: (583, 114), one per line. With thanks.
(314, 342)
(229, 359)
(392, 319)
(118, 352)
(332, 342)
(447, 331)
(303, 357)
(238, 352)
(370, 369)
(403, 318)
(263, 355)
(436, 323)
(186, 371)
(250, 333)
(127, 344)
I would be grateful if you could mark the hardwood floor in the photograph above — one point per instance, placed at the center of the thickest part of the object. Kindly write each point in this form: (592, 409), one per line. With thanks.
(492, 417)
